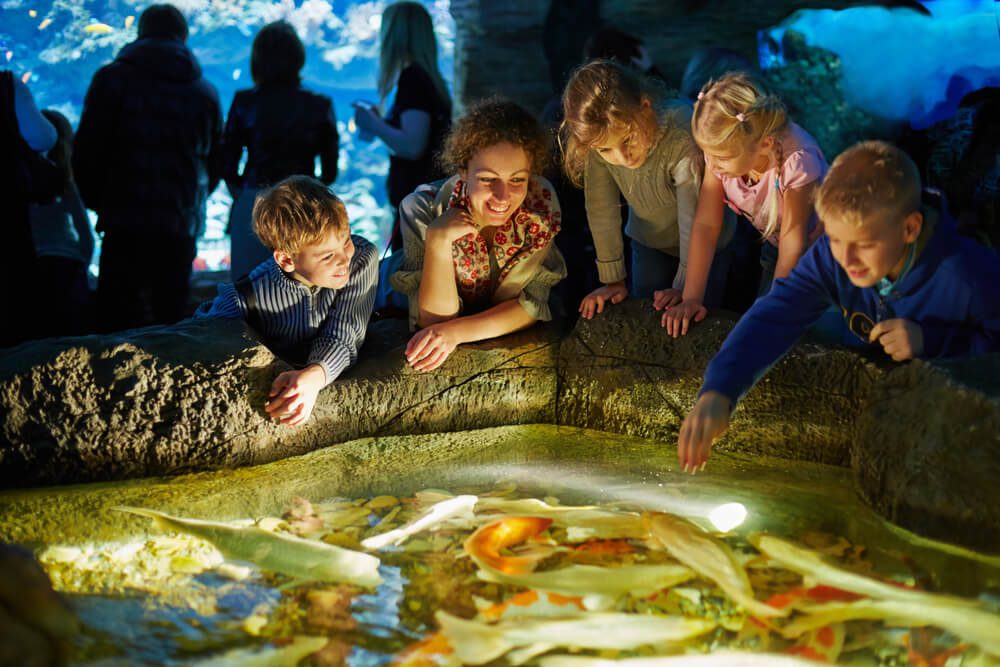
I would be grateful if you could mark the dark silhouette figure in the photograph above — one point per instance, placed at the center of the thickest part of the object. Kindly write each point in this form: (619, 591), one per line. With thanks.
(282, 126)
(414, 127)
(64, 245)
(24, 132)
(145, 158)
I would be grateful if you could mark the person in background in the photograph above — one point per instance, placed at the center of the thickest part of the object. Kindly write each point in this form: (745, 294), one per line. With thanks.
(24, 131)
(145, 158)
(64, 244)
(891, 261)
(621, 137)
(282, 127)
(611, 43)
(311, 300)
(420, 115)
(478, 254)
(763, 166)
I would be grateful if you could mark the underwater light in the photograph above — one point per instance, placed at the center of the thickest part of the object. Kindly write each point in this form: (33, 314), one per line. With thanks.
(728, 516)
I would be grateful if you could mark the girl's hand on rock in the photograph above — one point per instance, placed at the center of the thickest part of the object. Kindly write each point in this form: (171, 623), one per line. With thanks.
(594, 302)
(677, 318)
(664, 298)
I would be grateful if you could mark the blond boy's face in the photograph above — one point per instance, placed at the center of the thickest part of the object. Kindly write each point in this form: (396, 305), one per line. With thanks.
(326, 263)
(873, 251)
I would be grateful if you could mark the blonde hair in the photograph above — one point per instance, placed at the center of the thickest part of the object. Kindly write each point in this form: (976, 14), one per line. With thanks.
(297, 212)
(407, 38)
(870, 181)
(732, 114)
(604, 98)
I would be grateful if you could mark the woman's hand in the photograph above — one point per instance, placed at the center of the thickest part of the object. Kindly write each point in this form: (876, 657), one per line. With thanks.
(676, 318)
(367, 118)
(430, 346)
(451, 225)
(664, 298)
(594, 302)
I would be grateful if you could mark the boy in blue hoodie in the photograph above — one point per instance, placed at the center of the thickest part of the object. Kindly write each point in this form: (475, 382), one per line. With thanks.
(903, 278)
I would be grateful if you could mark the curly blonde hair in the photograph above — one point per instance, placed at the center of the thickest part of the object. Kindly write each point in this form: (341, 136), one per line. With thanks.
(490, 122)
(297, 212)
(604, 98)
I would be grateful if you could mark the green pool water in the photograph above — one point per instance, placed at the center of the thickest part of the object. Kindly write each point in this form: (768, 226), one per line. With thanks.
(189, 607)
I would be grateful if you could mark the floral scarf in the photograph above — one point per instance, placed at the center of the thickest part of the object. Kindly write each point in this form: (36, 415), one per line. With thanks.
(517, 242)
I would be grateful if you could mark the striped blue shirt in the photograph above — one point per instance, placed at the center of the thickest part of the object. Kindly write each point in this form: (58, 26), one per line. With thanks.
(331, 322)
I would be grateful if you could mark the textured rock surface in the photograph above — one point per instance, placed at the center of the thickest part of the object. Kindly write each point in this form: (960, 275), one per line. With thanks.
(166, 400)
(174, 399)
(927, 450)
(486, 64)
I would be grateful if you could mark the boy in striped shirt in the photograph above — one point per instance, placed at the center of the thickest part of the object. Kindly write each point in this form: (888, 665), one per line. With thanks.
(311, 302)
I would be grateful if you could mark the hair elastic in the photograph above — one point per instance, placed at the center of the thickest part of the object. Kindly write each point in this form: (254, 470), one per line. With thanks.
(741, 117)
(701, 94)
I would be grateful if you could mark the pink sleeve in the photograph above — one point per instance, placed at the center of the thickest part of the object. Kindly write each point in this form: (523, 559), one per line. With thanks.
(802, 168)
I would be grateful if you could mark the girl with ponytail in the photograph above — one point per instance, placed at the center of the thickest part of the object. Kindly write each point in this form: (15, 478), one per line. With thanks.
(764, 167)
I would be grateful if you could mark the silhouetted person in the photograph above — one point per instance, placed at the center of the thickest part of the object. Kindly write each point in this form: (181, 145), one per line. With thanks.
(64, 245)
(414, 127)
(23, 130)
(611, 43)
(145, 158)
(282, 126)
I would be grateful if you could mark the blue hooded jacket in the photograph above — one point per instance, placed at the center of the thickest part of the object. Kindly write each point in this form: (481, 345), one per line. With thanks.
(952, 291)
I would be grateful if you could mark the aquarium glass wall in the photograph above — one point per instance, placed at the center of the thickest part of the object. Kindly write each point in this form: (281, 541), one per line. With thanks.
(56, 46)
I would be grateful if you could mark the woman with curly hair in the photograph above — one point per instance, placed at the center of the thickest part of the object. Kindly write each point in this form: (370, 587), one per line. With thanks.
(478, 253)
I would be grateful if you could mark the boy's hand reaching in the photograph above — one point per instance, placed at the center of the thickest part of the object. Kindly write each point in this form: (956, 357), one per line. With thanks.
(901, 339)
(677, 318)
(293, 394)
(708, 419)
(594, 302)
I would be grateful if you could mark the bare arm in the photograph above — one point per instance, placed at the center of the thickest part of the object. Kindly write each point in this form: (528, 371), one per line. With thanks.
(793, 239)
(429, 347)
(438, 292)
(704, 235)
(408, 141)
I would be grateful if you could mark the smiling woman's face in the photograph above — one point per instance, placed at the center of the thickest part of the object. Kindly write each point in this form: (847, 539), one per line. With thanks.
(496, 181)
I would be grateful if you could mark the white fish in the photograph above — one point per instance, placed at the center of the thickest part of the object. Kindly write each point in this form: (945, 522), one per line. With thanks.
(898, 606)
(436, 514)
(44, 24)
(129, 20)
(289, 654)
(307, 560)
(709, 557)
(476, 643)
(590, 580)
(719, 659)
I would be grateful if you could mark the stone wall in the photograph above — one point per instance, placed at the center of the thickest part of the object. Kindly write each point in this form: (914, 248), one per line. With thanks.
(499, 45)
(922, 437)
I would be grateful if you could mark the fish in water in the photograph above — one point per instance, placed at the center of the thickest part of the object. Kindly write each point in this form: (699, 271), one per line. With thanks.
(306, 560)
(709, 557)
(98, 28)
